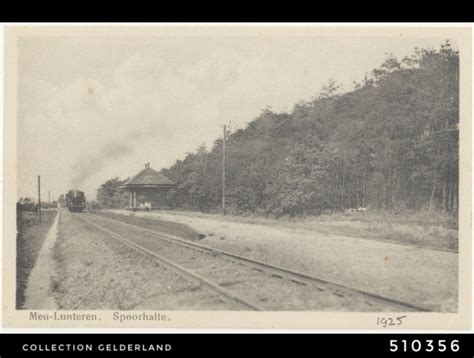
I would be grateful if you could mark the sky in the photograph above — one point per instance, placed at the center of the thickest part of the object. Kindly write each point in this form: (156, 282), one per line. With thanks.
(91, 108)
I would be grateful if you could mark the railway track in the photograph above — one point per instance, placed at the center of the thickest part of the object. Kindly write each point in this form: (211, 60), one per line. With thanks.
(246, 277)
(179, 269)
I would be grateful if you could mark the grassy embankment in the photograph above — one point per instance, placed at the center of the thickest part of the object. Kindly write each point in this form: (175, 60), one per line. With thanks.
(30, 237)
(167, 227)
(420, 228)
(435, 229)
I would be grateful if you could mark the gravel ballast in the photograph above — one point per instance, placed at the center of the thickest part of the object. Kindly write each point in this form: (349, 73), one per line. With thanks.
(94, 271)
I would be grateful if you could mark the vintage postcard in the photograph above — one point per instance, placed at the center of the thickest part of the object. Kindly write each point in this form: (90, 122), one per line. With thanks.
(237, 176)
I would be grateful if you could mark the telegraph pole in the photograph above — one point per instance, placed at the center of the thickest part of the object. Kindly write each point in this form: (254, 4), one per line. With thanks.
(39, 198)
(223, 171)
(49, 197)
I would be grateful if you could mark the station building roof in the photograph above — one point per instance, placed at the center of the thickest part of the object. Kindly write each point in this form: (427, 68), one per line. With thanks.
(148, 178)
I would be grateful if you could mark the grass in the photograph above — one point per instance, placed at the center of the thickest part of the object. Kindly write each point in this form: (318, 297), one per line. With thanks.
(421, 228)
(167, 227)
(435, 229)
(30, 237)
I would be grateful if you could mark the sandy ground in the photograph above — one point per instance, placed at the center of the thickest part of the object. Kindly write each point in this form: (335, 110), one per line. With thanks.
(418, 275)
(94, 271)
(38, 294)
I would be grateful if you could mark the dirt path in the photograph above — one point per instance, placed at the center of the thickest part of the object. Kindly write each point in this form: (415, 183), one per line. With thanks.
(418, 275)
(38, 293)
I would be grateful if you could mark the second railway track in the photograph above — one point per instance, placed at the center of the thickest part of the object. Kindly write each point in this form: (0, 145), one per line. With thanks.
(251, 283)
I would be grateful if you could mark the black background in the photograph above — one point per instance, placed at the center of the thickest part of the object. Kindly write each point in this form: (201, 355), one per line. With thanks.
(242, 11)
(260, 345)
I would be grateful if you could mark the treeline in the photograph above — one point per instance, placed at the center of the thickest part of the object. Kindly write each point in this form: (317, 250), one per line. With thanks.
(391, 143)
(110, 195)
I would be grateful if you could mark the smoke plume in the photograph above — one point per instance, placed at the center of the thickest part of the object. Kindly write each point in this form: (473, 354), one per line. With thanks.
(86, 169)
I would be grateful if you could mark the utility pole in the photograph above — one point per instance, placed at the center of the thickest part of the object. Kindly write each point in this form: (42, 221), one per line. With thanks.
(49, 197)
(223, 171)
(39, 198)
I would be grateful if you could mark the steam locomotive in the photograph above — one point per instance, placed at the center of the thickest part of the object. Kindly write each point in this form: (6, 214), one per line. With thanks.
(75, 201)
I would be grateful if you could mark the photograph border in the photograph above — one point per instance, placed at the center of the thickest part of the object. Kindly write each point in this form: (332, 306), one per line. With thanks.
(240, 319)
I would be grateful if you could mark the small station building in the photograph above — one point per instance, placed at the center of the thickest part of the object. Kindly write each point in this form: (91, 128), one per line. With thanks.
(149, 186)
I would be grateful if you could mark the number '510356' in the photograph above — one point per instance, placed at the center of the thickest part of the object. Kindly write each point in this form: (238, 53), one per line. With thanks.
(428, 345)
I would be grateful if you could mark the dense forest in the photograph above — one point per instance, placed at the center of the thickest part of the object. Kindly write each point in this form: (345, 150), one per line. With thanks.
(391, 143)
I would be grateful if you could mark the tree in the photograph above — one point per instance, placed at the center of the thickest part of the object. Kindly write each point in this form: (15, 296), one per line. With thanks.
(109, 195)
(391, 142)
